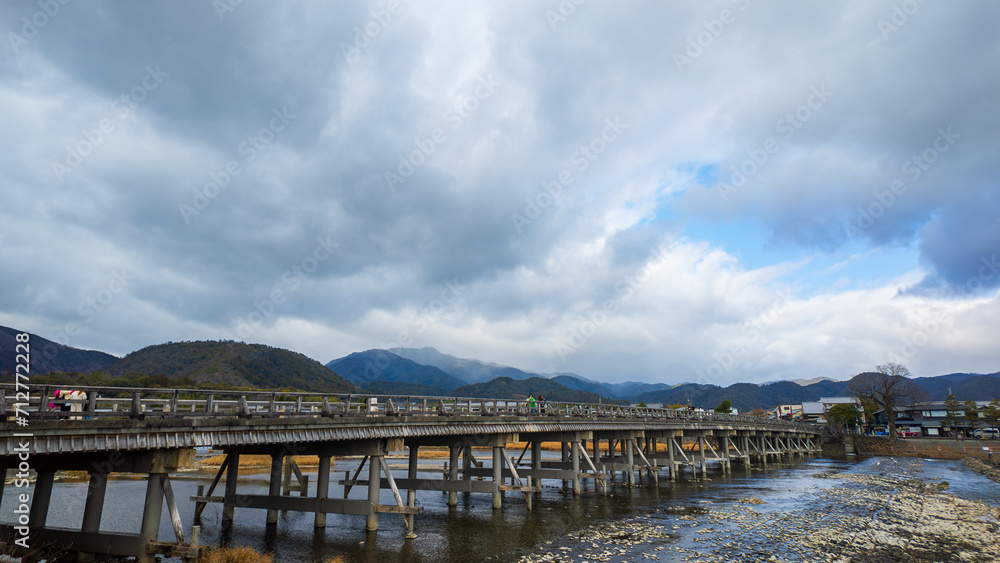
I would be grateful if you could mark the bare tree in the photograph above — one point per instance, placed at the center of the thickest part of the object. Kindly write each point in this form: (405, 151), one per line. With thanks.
(888, 387)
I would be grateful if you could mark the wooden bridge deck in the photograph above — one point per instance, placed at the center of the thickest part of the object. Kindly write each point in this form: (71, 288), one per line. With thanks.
(154, 432)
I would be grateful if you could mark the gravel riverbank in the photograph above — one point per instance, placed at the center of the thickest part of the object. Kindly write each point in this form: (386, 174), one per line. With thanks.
(884, 513)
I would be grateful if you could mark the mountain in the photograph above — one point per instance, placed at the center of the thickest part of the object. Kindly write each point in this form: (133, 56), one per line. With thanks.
(633, 388)
(805, 382)
(234, 363)
(469, 371)
(509, 388)
(573, 381)
(748, 396)
(381, 366)
(977, 387)
(47, 356)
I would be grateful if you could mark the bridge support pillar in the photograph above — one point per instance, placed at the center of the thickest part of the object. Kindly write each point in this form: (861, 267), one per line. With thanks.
(92, 510)
(374, 483)
(536, 461)
(565, 457)
(232, 475)
(497, 476)
(411, 493)
(670, 457)
(726, 460)
(453, 472)
(322, 488)
(630, 460)
(702, 444)
(150, 529)
(40, 499)
(274, 485)
(574, 448)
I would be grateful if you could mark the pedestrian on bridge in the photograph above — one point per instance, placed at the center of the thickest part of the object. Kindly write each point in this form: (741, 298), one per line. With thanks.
(531, 403)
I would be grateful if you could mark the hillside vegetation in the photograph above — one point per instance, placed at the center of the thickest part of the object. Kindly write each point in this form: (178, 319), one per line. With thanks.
(47, 356)
(507, 388)
(233, 364)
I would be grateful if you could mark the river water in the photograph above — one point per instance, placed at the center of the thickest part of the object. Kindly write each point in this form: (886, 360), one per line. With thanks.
(651, 522)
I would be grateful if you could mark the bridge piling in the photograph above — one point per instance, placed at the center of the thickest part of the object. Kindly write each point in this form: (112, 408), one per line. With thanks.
(630, 460)
(565, 458)
(575, 459)
(497, 476)
(232, 475)
(371, 524)
(40, 498)
(322, 489)
(150, 528)
(274, 485)
(93, 509)
(453, 451)
(411, 493)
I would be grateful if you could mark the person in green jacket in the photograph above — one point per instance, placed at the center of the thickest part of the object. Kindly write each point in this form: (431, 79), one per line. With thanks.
(531, 403)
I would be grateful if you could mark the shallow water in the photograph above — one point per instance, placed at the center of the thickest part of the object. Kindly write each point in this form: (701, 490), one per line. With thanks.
(653, 521)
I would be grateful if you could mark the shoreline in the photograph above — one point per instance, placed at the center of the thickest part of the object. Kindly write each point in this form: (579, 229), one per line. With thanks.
(884, 513)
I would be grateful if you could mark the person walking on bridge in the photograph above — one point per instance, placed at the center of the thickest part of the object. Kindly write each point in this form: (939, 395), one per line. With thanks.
(531, 403)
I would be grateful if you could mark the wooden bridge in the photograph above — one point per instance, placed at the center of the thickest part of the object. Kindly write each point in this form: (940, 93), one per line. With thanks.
(154, 432)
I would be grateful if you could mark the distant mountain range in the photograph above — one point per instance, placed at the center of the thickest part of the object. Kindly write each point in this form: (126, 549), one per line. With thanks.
(47, 356)
(748, 396)
(370, 366)
(426, 371)
(469, 371)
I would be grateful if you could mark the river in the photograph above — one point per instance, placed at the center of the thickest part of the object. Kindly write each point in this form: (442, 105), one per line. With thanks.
(724, 518)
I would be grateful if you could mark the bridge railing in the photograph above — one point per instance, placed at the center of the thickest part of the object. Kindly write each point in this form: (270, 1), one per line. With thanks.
(127, 402)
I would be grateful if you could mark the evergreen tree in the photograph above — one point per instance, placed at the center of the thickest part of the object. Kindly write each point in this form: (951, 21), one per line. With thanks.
(952, 409)
(972, 413)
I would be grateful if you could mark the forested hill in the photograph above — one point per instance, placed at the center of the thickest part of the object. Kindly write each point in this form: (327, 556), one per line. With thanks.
(508, 388)
(47, 356)
(233, 363)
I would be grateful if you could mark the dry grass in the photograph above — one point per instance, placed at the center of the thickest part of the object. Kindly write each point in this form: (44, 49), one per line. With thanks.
(243, 555)
(234, 555)
(258, 461)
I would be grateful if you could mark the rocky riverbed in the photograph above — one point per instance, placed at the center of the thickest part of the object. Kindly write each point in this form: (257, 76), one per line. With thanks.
(888, 511)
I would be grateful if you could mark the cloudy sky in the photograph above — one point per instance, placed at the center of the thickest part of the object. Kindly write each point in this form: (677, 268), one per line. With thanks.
(685, 191)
